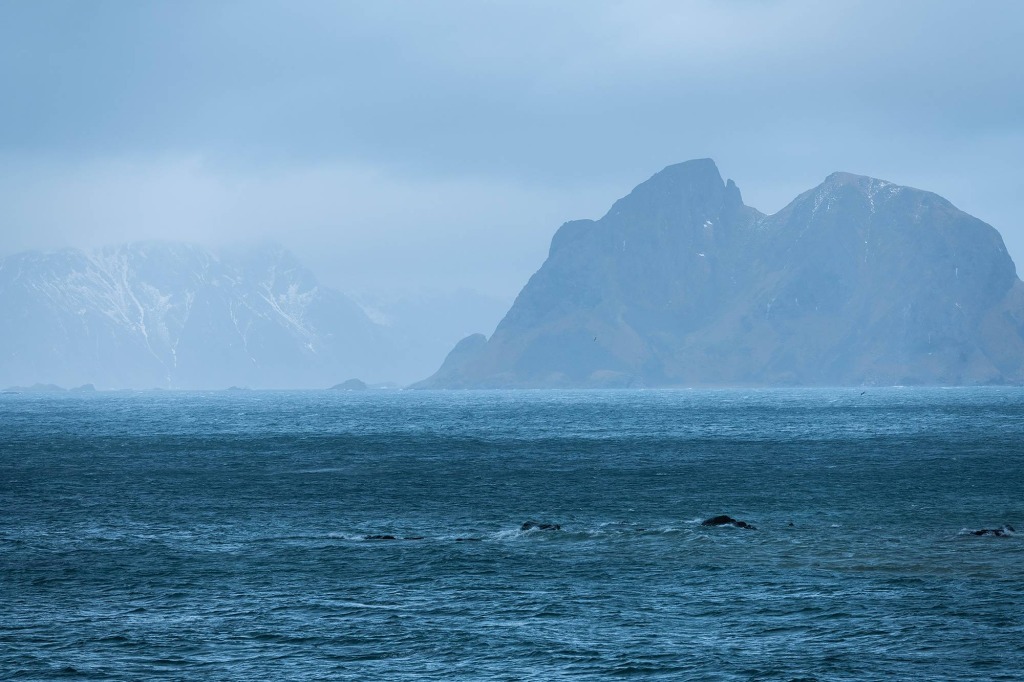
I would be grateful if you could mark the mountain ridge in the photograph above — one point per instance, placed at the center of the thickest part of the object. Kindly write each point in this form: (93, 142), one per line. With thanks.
(167, 314)
(856, 281)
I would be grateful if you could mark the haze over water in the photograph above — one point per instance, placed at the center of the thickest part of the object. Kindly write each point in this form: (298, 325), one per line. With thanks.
(215, 535)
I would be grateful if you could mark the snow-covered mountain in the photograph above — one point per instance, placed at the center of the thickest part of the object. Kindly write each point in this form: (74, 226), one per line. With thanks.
(178, 316)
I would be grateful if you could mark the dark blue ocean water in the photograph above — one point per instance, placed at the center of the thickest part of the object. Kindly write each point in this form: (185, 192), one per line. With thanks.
(222, 535)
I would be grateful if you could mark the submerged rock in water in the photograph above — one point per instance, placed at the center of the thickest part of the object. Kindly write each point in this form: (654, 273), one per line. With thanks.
(1005, 530)
(530, 525)
(392, 537)
(724, 520)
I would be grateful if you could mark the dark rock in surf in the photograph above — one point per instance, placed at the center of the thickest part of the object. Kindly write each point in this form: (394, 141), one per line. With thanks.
(531, 525)
(1004, 531)
(724, 520)
(392, 537)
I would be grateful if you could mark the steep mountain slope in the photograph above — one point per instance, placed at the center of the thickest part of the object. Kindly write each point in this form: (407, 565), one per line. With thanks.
(857, 281)
(174, 315)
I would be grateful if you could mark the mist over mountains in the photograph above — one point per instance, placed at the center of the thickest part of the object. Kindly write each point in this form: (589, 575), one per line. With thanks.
(173, 315)
(857, 281)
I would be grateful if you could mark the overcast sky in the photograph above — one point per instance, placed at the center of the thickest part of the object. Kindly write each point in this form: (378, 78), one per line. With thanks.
(394, 145)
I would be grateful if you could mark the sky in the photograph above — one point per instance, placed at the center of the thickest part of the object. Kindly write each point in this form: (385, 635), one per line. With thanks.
(399, 146)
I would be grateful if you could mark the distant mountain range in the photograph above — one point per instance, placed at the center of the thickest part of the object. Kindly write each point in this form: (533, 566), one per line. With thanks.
(856, 282)
(174, 315)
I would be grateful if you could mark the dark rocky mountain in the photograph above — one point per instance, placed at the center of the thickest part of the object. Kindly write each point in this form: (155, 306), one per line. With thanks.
(856, 282)
(177, 316)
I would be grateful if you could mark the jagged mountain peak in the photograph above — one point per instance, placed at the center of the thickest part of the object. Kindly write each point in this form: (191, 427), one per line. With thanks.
(688, 192)
(859, 201)
(692, 171)
(844, 178)
(874, 190)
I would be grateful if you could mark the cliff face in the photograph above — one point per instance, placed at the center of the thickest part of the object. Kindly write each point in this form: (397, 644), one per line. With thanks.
(857, 281)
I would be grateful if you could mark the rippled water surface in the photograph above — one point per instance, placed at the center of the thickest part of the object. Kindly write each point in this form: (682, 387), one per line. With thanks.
(224, 535)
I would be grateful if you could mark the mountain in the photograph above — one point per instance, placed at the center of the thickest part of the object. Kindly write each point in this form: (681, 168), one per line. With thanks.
(177, 316)
(856, 282)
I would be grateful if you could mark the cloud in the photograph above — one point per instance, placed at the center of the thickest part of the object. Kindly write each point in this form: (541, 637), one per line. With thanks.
(359, 226)
(458, 135)
(490, 86)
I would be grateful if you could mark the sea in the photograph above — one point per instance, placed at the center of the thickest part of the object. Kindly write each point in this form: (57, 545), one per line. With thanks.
(247, 535)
